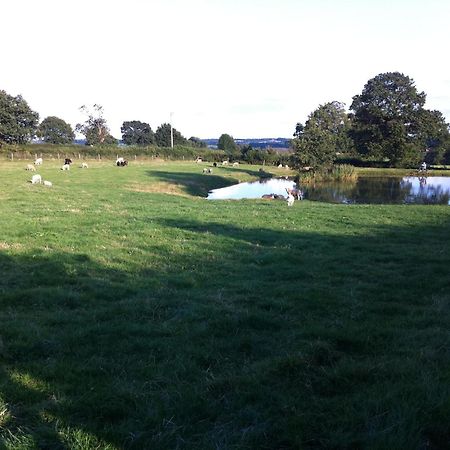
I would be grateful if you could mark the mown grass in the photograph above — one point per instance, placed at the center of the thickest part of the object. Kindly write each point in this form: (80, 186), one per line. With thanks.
(136, 314)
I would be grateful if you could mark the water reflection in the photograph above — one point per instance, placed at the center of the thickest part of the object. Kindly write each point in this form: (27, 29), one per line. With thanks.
(255, 189)
(381, 190)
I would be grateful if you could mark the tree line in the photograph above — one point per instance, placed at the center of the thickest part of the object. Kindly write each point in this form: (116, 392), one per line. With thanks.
(387, 123)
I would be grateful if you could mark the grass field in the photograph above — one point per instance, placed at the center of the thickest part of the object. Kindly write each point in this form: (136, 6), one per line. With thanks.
(136, 314)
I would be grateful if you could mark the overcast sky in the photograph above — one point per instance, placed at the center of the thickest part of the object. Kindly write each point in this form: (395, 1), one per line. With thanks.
(249, 68)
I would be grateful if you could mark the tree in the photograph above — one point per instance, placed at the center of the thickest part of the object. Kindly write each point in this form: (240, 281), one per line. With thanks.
(324, 134)
(387, 118)
(18, 122)
(137, 133)
(95, 128)
(197, 142)
(229, 146)
(162, 136)
(434, 135)
(55, 131)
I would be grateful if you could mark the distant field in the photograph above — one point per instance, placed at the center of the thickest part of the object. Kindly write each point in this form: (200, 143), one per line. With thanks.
(136, 314)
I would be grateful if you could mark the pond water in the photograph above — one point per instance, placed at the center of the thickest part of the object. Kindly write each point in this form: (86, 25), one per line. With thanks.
(380, 190)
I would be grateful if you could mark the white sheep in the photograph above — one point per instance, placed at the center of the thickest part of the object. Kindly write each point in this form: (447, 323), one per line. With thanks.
(65, 167)
(119, 160)
(84, 165)
(38, 161)
(236, 164)
(290, 199)
(207, 170)
(224, 163)
(48, 183)
(198, 160)
(36, 179)
(31, 168)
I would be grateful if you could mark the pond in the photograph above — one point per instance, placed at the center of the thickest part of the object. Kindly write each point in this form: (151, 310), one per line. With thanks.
(380, 190)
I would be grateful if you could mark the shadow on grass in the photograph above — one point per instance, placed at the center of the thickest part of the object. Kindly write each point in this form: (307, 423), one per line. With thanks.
(201, 184)
(255, 339)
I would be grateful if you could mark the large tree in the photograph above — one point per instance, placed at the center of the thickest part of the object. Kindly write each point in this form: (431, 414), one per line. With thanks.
(162, 136)
(95, 128)
(324, 134)
(387, 119)
(18, 122)
(55, 131)
(229, 146)
(137, 133)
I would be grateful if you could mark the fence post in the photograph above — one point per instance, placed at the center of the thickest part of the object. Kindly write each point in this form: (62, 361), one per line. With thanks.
(12, 156)
(135, 157)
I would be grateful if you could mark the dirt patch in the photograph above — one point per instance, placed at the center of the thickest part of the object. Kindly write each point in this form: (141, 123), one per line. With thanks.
(6, 246)
(158, 188)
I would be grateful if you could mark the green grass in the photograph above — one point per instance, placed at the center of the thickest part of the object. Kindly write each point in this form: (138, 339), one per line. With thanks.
(136, 314)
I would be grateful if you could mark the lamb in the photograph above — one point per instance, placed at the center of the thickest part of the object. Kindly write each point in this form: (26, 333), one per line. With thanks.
(224, 163)
(290, 199)
(48, 183)
(236, 164)
(119, 160)
(198, 160)
(84, 165)
(36, 179)
(31, 168)
(207, 170)
(38, 161)
(65, 167)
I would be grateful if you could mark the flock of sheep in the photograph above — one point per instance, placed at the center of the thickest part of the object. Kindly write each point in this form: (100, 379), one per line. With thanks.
(37, 179)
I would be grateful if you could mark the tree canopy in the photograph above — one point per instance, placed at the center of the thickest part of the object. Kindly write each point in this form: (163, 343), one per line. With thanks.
(162, 136)
(387, 119)
(95, 128)
(324, 134)
(18, 122)
(137, 133)
(55, 131)
(229, 146)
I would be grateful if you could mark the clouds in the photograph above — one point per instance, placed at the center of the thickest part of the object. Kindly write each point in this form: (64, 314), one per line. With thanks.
(247, 68)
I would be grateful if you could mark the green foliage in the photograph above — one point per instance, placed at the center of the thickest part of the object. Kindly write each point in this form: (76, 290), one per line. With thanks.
(163, 136)
(95, 128)
(18, 122)
(324, 135)
(390, 121)
(197, 142)
(137, 133)
(55, 131)
(229, 146)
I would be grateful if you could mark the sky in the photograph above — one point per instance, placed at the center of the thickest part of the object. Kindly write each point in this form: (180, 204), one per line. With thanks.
(248, 68)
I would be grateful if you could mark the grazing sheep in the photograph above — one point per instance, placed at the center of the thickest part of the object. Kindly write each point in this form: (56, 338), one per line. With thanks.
(280, 166)
(31, 168)
(119, 160)
(236, 164)
(38, 161)
(65, 167)
(67, 161)
(296, 193)
(48, 183)
(224, 163)
(198, 160)
(122, 163)
(215, 164)
(36, 179)
(84, 165)
(207, 170)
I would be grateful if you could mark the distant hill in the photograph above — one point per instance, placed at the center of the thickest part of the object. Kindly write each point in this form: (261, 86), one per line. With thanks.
(275, 143)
